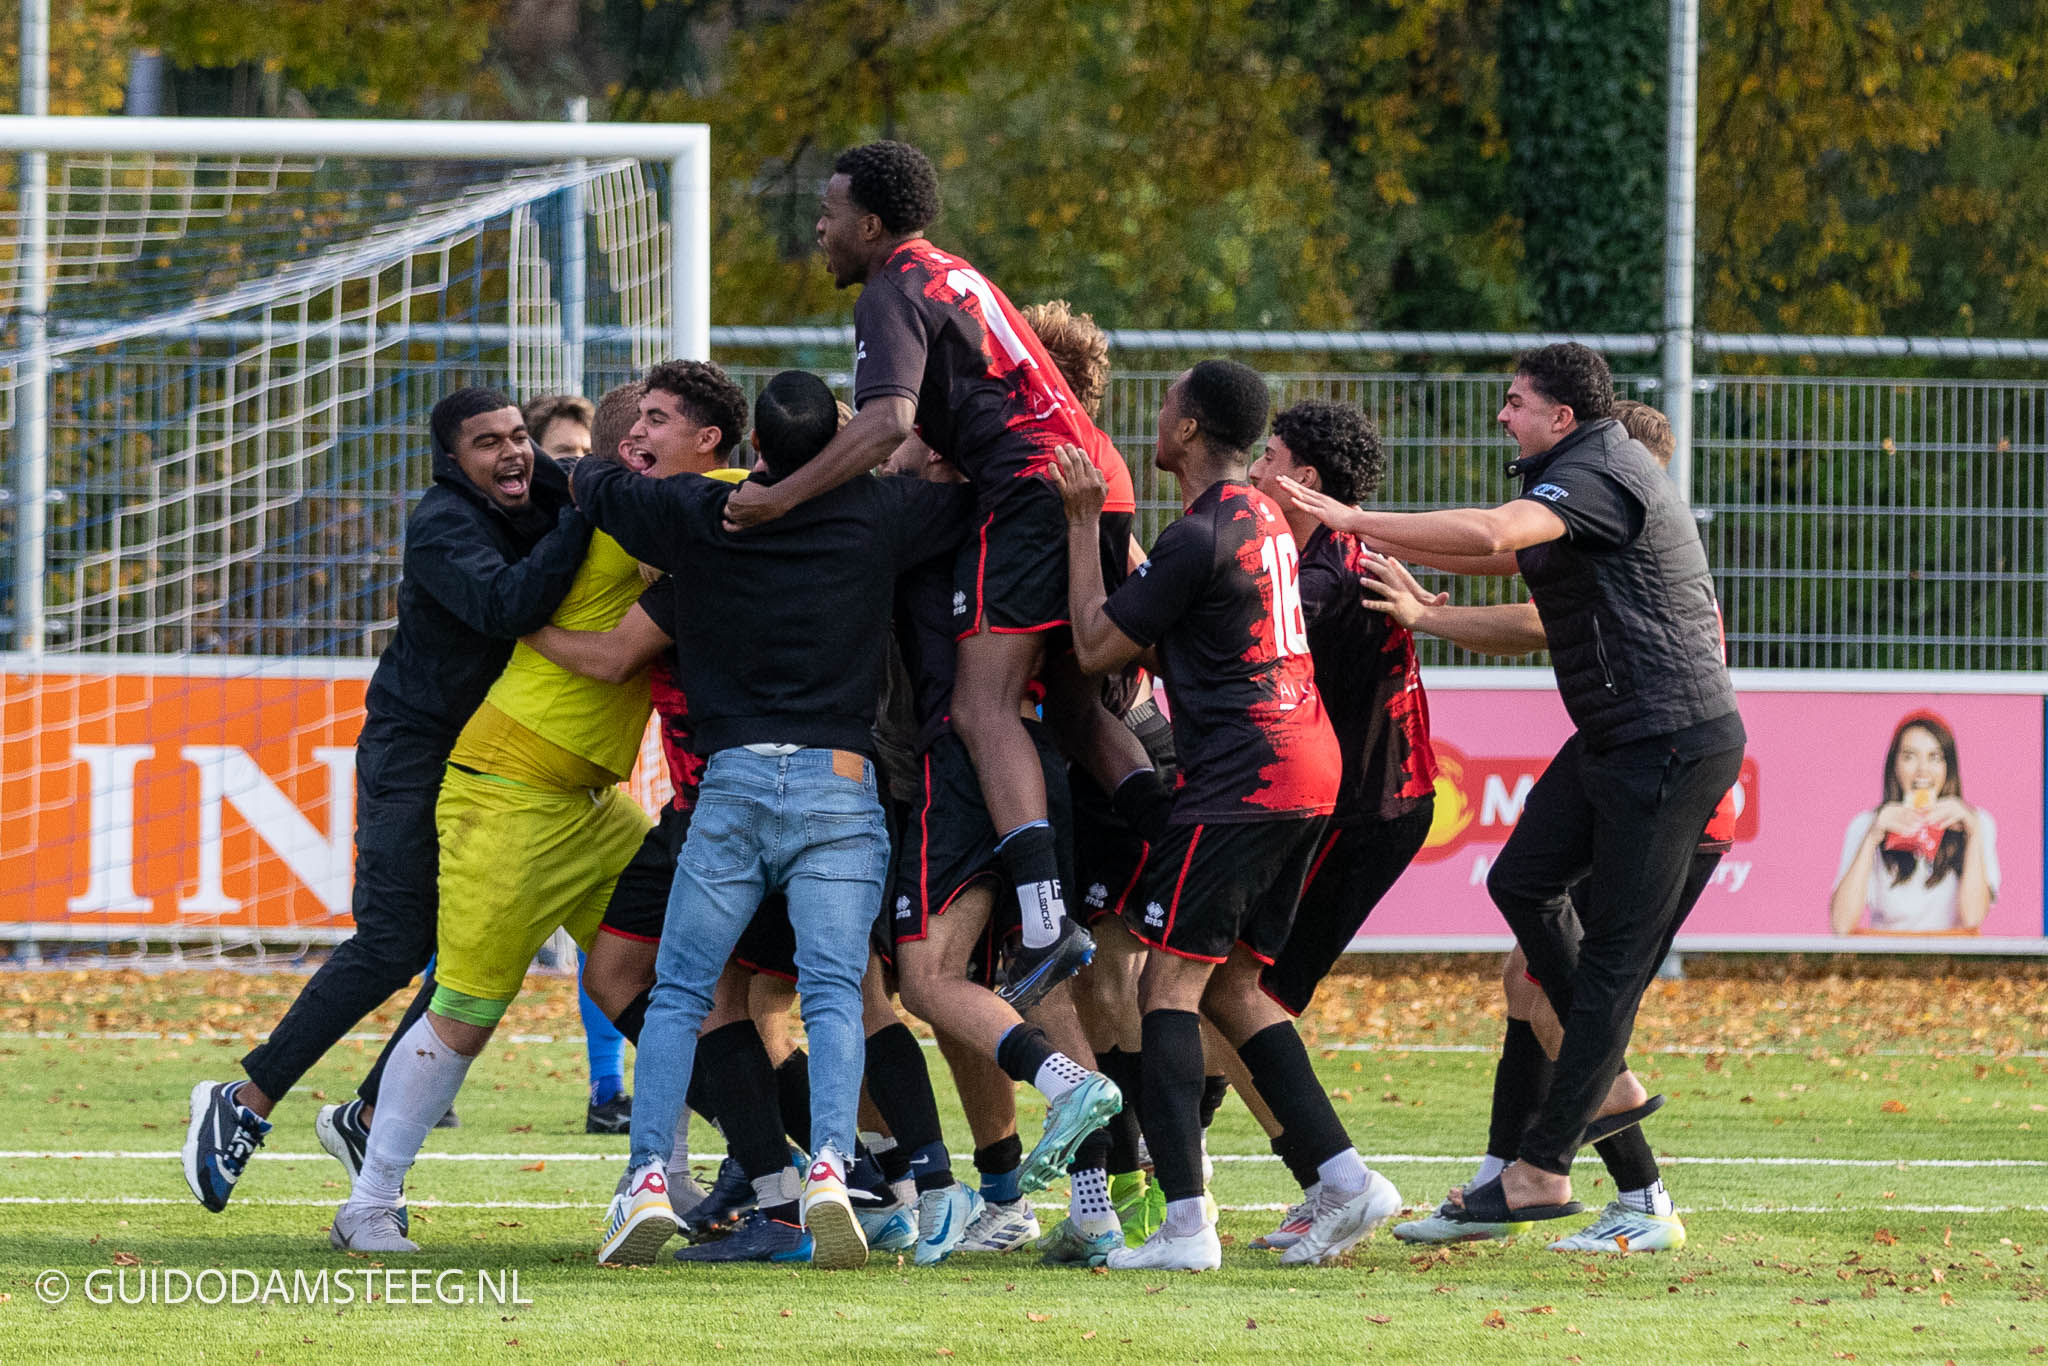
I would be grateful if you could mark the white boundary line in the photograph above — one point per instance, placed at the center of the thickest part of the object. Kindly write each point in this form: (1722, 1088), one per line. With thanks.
(1871, 1163)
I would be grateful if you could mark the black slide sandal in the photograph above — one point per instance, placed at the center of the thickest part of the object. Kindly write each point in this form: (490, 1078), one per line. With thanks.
(1626, 1119)
(1488, 1204)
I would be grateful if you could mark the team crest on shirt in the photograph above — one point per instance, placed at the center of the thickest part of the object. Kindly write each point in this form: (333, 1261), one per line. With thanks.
(1550, 493)
(1155, 914)
(1098, 895)
(959, 602)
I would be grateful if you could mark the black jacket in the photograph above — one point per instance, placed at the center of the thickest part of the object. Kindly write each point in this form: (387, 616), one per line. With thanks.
(1635, 632)
(781, 629)
(475, 579)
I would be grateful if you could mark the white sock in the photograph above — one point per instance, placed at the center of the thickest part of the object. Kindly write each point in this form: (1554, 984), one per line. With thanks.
(774, 1188)
(1651, 1199)
(1088, 1206)
(1042, 908)
(905, 1191)
(679, 1149)
(1058, 1075)
(420, 1083)
(1344, 1172)
(1489, 1167)
(1185, 1217)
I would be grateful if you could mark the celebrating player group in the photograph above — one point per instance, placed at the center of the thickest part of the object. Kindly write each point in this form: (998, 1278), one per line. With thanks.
(940, 731)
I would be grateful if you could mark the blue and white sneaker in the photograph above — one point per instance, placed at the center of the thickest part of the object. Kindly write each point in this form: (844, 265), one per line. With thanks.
(1068, 1120)
(889, 1228)
(1034, 972)
(1621, 1229)
(757, 1239)
(219, 1141)
(369, 1228)
(943, 1217)
(340, 1131)
(1067, 1245)
(1002, 1226)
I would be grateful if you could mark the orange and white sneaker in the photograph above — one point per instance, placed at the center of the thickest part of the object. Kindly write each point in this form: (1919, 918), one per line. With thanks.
(641, 1218)
(837, 1243)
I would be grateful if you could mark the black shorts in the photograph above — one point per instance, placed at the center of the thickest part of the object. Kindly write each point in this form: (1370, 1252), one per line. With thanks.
(1354, 867)
(1011, 575)
(768, 944)
(949, 843)
(639, 901)
(1209, 887)
(1109, 856)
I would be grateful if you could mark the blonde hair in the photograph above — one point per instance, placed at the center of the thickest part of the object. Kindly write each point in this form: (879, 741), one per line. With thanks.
(1077, 346)
(1647, 425)
(613, 421)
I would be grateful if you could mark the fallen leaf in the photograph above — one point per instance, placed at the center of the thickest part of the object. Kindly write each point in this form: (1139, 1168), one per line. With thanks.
(1540, 1309)
(536, 1167)
(1894, 1107)
(1884, 1237)
(945, 1351)
(1621, 1242)
(1088, 1336)
(1036, 1318)
(786, 1313)
(127, 1259)
(1378, 1318)
(1251, 1323)
(1495, 1319)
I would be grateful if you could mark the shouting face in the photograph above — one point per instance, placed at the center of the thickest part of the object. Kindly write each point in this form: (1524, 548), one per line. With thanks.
(493, 451)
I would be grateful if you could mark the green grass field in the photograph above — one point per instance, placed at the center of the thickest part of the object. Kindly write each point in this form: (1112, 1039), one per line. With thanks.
(1862, 1159)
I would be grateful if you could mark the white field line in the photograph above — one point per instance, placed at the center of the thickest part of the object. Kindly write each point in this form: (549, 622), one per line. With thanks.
(1388, 1159)
(595, 1210)
(1674, 1050)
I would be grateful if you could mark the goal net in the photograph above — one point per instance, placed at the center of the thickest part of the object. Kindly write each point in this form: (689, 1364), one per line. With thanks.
(241, 352)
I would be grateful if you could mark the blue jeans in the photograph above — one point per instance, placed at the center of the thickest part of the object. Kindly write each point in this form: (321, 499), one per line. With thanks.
(762, 823)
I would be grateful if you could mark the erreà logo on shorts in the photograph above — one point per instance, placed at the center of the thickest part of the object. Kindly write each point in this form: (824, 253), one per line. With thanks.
(959, 603)
(1098, 895)
(1155, 914)
(903, 908)
(1550, 493)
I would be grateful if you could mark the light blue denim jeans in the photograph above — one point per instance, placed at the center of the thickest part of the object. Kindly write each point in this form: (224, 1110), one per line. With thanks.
(796, 823)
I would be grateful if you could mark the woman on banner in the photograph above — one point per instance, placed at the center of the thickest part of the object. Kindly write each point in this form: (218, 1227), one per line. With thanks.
(1924, 861)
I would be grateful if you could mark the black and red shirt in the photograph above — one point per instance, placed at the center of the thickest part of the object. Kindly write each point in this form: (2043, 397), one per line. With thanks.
(1370, 683)
(671, 708)
(1220, 599)
(924, 637)
(929, 327)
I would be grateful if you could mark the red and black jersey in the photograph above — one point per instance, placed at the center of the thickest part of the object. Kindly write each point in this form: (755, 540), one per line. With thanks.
(1219, 597)
(671, 708)
(931, 328)
(1370, 684)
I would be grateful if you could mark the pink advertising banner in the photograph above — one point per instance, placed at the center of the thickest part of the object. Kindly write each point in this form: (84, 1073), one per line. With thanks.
(1965, 765)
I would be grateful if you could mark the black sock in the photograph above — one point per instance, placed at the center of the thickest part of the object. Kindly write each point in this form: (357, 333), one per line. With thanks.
(1022, 1052)
(900, 1085)
(633, 1018)
(1173, 1100)
(1123, 1069)
(1629, 1159)
(1289, 1152)
(740, 1085)
(1030, 857)
(787, 1212)
(998, 1164)
(894, 1162)
(1519, 1084)
(793, 1094)
(697, 1098)
(1287, 1082)
(1093, 1154)
(1214, 1089)
(1144, 802)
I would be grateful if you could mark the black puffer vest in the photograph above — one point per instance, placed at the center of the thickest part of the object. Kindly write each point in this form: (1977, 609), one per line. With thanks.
(1635, 633)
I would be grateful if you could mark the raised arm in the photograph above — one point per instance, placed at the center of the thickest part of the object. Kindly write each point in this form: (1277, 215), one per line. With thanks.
(610, 656)
(1476, 540)
(1512, 628)
(491, 595)
(863, 443)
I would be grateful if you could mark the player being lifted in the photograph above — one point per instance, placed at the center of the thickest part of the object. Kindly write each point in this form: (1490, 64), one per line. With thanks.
(940, 350)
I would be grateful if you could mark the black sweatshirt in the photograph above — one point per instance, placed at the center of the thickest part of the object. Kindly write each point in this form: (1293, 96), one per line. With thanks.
(475, 579)
(781, 629)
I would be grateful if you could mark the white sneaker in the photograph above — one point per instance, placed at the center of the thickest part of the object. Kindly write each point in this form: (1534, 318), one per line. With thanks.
(889, 1228)
(837, 1242)
(369, 1228)
(1001, 1228)
(1197, 1251)
(1620, 1229)
(943, 1217)
(1292, 1224)
(1342, 1219)
(641, 1218)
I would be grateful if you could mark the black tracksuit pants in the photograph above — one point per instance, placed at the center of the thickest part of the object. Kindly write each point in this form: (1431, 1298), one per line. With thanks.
(1630, 819)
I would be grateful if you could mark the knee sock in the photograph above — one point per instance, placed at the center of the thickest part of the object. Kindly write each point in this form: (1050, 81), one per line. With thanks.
(603, 1044)
(998, 1164)
(1279, 1067)
(900, 1085)
(696, 1098)
(1289, 1152)
(1123, 1069)
(413, 1011)
(629, 1020)
(1144, 802)
(1214, 1089)
(419, 1086)
(1030, 855)
(1173, 1101)
(1025, 1054)
(1088, 1204)
(741, 1087)
(679, 1148)
(793, 1089)
(1520, 1082)
(1637, 1180)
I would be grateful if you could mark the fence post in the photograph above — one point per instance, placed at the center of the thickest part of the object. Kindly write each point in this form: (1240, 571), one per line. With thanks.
(575, 266)
(1680, 164)
(32, 383)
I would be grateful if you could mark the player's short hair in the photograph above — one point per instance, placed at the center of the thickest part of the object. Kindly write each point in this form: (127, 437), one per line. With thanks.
(893, 181)
(1647, 425)
(794, 418)
(1077, 346)
(613, 421)
(1229, 403)
(1573, 375)
(707, 395)
(543, 412)
(1339, 442)
(445, 422)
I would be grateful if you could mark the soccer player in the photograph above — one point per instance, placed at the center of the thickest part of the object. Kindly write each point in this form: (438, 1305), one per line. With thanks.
(489, 553)
(1371, 687)
(939, 348)
(781, 669)
(562, 425)
(1614, 563)
(1219, 611)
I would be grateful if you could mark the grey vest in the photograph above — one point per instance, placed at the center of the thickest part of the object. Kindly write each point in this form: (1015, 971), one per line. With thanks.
(1635, 633)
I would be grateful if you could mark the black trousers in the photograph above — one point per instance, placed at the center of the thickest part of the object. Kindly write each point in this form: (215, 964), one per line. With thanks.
(395, 904)
(1629, 820)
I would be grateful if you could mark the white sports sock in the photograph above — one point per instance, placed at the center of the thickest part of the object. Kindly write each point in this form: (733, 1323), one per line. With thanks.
(905, 1191)
(1088, 1206)
(1185, 1217)
(1058, 1075)
(1042, 909)
(779, 1187)
(679, 1148)
(1489, 1167)
(420, 1083)
(1344, 1172)
(1651, 1199)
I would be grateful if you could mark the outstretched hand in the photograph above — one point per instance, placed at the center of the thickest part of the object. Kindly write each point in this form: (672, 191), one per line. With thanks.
(751, 504)
(1082, 487)
(1390, 588)
(1325, 509)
